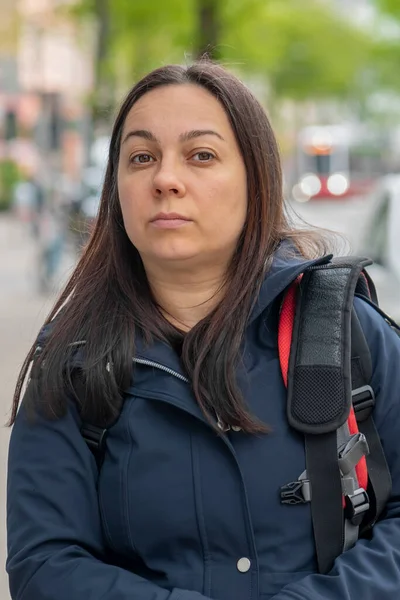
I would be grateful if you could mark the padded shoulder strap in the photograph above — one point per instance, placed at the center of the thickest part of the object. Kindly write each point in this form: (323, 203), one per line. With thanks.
(320, 358)
(320, 391)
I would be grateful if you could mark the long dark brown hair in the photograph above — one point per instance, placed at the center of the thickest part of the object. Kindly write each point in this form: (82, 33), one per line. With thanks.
(108, 301)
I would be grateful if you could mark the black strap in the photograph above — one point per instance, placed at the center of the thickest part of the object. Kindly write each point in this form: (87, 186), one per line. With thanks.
(319, 394)
(95, 437)
(380, 481)
(93, 434)
(366, 287)
(361, 362)
(391, 322)
(320, 390)
(326, 504)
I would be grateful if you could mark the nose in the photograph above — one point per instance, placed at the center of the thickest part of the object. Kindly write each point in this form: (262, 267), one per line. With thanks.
(168, 181)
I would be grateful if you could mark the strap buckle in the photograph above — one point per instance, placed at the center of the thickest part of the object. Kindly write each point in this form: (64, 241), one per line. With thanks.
(296, 492)
(357, 505)
(350, 454)
(95, 437)
(363, 399)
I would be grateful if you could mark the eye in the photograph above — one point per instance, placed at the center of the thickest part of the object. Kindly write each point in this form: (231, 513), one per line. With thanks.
(141, 159)
(203, 156)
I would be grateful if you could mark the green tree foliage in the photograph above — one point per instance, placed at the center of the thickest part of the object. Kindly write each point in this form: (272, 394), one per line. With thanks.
(302, 49)
(385, 56)
(307, 49)
(386, 61)
(391, 7)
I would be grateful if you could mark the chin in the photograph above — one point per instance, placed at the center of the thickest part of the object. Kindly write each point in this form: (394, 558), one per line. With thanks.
(180, 250)
(175, 257)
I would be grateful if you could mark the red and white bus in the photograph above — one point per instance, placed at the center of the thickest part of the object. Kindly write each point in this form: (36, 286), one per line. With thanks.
(336, 162)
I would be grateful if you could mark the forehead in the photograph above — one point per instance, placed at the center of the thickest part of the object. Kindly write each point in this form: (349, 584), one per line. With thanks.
(178, 107)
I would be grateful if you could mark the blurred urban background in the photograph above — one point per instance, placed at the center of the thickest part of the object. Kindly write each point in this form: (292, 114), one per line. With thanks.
(327, 72)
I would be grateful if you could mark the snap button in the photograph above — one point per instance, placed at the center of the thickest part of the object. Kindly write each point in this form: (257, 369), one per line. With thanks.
(243, 564)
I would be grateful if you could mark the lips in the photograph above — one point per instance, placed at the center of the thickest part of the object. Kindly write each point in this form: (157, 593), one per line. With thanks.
(169, 221)
(169, 217)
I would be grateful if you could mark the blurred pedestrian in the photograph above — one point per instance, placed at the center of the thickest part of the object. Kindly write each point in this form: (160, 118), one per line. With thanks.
(167, 334)
(29, 200)
(50, 241)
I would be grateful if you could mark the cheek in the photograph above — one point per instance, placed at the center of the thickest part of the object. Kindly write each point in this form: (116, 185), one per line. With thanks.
(130, 198)
(132, 211)
(230, 199)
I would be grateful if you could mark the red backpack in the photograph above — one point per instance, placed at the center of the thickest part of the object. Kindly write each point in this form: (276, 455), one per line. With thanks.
(326, 367)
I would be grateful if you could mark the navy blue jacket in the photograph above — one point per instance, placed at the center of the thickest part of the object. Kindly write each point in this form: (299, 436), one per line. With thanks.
(177, 507)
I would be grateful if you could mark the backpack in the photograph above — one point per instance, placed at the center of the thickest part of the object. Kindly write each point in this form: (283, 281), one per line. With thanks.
(326, 366)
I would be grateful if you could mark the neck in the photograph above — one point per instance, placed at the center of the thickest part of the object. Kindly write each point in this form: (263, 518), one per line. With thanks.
(185, 298)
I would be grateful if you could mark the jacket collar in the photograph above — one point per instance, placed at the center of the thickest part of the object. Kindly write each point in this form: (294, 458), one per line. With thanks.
(286, 266)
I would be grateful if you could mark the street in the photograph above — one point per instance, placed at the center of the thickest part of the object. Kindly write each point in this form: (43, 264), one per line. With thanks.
(350, 218)
(22, 312)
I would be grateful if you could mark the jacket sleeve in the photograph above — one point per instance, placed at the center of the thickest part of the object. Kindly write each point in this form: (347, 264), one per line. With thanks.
(56, 548)
(371, 569)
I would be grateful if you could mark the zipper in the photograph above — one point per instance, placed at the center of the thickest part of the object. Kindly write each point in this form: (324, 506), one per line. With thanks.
(150, 363)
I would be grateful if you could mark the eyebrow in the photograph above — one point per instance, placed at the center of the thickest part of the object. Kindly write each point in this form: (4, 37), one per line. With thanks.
(195, 133)
(184, 137)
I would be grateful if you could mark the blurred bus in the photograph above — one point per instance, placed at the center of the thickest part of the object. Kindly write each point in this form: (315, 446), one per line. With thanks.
(336, 162)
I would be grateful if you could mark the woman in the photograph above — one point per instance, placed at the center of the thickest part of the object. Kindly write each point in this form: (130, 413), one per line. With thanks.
(184, 272)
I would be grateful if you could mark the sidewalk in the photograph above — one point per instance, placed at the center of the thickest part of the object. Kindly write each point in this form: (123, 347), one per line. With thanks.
(22, 309)
(22, 312)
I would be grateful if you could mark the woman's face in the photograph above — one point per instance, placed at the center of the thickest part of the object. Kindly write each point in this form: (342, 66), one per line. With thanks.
(181, 179)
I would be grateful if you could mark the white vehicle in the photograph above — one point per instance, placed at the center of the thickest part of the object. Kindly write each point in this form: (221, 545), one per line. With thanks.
(382, 236)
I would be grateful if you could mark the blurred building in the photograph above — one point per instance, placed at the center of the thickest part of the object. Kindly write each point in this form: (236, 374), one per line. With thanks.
(53, 56)
(45, 78)
(8, 64)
